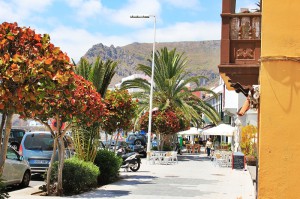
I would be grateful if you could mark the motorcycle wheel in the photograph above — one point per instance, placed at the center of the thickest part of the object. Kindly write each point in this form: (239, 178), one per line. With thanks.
(135, 167)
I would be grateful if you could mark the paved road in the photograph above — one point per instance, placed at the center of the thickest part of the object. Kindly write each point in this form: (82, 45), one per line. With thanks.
(36, 180)
(192, 177)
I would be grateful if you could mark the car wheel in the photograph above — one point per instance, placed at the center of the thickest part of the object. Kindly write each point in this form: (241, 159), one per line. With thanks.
(138, 142)
(135, 167)
(15, 147)
(26, 179)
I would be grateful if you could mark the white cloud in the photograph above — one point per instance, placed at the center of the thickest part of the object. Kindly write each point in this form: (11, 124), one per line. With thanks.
(250, 4)
(32, 5)
(86, 8)
(196, 31)
(133, 7)
(76, 42)
(190, 4)
(7, 13)
(21, 11)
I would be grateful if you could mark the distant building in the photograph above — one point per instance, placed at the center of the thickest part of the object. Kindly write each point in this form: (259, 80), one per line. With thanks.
(131, 77)
(34, 123)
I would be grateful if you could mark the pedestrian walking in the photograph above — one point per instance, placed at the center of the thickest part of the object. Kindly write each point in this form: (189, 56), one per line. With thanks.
(208, 146)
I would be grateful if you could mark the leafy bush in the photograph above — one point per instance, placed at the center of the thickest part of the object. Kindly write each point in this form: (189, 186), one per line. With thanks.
(248, 140)
(154, 148)
(109, 165)
(167, 148)
(3, 193)
(78, 176)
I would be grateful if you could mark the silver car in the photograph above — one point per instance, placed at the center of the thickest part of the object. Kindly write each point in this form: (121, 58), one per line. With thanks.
(16, 169)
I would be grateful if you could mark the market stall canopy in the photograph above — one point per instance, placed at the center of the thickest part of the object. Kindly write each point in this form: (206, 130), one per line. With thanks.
(191, 131)
(222, 129)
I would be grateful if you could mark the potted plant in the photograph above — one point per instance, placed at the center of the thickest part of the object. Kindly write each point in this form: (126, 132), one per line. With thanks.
(248, 144)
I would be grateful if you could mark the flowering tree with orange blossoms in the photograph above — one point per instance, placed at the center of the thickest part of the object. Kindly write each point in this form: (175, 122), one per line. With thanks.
(165, 123)
(121, 111)
(81, 105)
(31, 68)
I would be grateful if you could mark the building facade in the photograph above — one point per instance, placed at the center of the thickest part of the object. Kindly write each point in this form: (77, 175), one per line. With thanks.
(278, 95)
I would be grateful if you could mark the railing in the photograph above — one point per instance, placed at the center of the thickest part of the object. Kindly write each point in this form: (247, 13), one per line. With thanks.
(245, 34)
(245, 26)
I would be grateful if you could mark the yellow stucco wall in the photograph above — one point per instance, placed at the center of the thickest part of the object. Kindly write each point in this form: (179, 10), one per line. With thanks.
(279, 118)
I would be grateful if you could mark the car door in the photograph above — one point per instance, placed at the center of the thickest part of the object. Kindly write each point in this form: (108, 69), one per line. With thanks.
(13, 168)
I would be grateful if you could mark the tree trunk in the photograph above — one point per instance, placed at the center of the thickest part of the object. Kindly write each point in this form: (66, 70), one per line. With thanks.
(116, 141)
(161, 142)
(61, 158)
(110, 142)
(50, 167)
(1, 128)
(3, 151)
(106, 139)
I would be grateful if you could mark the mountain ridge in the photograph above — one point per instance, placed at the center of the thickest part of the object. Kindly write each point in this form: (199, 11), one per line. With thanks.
(203, 57)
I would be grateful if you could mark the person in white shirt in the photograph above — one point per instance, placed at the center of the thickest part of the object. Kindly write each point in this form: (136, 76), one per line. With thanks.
(208, 146)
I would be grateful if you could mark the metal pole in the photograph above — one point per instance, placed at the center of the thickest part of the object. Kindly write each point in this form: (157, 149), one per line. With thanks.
(151, 84)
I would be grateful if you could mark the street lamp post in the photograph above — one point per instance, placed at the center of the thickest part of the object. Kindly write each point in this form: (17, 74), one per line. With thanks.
(151, 86)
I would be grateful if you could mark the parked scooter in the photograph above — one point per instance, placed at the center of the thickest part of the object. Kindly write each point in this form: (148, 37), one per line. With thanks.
(131, 160)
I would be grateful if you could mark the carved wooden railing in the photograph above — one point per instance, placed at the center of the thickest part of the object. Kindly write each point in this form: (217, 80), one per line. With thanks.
(245, 33)
(245, 26)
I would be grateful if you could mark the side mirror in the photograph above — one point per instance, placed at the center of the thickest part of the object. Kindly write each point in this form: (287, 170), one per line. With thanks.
(21, 158)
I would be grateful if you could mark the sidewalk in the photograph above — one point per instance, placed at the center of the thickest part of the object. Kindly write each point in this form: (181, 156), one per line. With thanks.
(192, 177)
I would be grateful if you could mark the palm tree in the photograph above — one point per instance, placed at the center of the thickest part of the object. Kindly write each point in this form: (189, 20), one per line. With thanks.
(171, 81)
(83, 68)
(99, 73)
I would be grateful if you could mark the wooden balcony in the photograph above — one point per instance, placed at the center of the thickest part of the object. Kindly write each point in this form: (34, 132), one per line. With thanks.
(240, 47)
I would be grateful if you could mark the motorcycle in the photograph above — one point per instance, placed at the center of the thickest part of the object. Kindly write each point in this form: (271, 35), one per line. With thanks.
(131, 160)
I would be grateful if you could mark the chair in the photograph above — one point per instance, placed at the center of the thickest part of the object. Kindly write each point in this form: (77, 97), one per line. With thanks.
(156, 157)
(174, 157)
(197, 148)
(219, 160)
(152, 157)
(229, 160)
(189, 148)
(167, 158)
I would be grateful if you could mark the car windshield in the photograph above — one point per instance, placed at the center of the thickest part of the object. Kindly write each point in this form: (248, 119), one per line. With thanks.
(39, 141)
(18, 134)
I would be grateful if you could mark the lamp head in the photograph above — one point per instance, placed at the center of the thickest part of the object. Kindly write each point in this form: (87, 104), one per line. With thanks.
(139, 16)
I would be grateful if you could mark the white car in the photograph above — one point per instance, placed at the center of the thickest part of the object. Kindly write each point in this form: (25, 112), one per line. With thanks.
(16, 169)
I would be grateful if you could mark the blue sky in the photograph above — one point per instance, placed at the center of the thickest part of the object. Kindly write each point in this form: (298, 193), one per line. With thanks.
(76, 25)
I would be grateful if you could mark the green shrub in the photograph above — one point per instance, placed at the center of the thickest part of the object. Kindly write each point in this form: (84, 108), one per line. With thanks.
(78, 176)
(109, 164)
(167, 148)
(154, 148)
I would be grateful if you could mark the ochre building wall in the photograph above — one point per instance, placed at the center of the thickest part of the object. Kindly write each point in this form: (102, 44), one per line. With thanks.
(279, 115)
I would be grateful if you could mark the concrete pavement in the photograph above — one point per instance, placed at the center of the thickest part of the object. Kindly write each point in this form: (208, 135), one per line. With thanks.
(193, 177)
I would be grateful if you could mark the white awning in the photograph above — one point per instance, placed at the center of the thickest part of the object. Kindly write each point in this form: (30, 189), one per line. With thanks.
(191, 131)
(222, 129)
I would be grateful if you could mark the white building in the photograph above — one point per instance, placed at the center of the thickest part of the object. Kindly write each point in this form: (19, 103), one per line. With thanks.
(228, 104)
(131, 77)
(34, 123)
